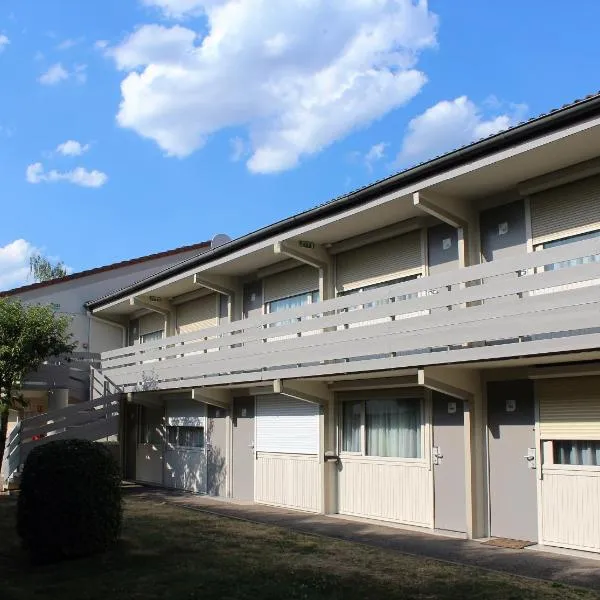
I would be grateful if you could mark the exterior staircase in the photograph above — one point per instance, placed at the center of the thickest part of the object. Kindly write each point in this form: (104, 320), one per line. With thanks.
(96, 419)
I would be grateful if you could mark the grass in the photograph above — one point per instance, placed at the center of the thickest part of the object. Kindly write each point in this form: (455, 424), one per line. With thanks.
(170, 552)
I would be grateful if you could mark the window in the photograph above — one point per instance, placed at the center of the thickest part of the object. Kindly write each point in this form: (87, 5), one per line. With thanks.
(572, 240)
(185, 437)
(576, 453)
(392, 427)
(380, 285)
(151, 337)
(292, 302)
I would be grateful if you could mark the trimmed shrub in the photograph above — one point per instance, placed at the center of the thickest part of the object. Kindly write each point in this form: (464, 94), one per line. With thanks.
(70, 500)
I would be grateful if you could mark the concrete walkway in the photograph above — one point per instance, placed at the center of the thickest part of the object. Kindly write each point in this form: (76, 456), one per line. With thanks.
(570, 570)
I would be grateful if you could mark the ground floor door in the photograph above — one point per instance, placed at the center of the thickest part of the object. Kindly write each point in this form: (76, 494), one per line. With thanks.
(512, 460)
(449, 464)
(243, 449)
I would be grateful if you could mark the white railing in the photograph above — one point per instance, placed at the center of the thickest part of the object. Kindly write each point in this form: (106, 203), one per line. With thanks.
(510, 307)
(92, 420)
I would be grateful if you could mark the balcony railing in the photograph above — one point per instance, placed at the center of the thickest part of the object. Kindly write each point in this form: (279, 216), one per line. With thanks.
(536, 303)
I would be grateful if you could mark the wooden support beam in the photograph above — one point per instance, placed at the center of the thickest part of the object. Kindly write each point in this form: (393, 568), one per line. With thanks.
(221, 398)
(445, 387)
(450, 210)
(315, 256)
(217, 283)
(315, 392)
(163, 307)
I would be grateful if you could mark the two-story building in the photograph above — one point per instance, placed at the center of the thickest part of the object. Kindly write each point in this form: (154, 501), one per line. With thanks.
(423, 351)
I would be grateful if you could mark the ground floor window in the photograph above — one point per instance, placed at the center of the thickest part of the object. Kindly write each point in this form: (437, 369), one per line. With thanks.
(384, 427)
(574, 452)
(185, 437)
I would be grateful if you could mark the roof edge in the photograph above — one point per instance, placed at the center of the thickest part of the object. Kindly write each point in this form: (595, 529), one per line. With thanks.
(557, 119)
(103, 269)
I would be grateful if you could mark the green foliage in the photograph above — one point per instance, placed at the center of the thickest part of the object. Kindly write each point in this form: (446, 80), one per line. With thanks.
(70, 500)
(43, 270)
(28, 336)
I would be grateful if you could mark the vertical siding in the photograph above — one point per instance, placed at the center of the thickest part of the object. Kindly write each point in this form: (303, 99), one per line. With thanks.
(149, 462)
(288, 480)
(390, 491)
(571, 508)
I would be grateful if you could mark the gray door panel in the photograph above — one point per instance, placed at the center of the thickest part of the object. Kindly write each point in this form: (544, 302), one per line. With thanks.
(442, 248)
(253, 299)
(511, 432)
(503, 231)
(243, 448)
(216, 449)
(449, 473)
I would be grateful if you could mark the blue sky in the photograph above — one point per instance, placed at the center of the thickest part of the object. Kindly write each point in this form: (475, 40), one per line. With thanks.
(133, 126)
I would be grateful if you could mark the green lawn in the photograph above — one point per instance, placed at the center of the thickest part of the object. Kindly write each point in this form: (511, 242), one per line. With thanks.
(170, 552)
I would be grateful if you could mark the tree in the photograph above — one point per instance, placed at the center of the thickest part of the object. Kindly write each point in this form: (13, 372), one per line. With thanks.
(29, 334)
(43, 270)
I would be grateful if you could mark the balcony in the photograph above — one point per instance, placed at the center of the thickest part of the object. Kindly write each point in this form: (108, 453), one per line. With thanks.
(536, 303)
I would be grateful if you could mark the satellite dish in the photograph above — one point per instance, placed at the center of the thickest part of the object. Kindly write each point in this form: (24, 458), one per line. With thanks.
(219, 240)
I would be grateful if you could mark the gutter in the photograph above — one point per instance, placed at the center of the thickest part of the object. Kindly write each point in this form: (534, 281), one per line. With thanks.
(555, 120)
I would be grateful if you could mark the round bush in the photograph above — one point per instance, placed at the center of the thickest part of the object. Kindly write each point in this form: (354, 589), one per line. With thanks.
(70, 500)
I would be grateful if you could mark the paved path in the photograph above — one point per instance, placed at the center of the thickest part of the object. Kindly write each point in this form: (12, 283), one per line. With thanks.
(527, 563)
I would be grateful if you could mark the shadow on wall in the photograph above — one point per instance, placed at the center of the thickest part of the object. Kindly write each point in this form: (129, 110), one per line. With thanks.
(215, 456)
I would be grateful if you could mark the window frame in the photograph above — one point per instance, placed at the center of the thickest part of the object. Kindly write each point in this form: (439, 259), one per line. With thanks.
(177, 446)
(548, 457)
(142, 336)
(362, 455)
(309, 296)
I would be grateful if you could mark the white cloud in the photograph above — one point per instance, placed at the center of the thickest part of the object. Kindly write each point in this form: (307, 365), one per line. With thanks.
(69, 43)
(55, 74)
(297, 74)
(72, 148)
(101, 44)
(453, 123)
(14, 263)
(177, 9)
(35, 173)
(4, 41)
(239, 149)
(375, 153)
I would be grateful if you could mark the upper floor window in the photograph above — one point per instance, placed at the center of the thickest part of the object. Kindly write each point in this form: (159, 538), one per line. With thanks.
(292, 301)
(151, 336)
(572, 240)
(381, 285)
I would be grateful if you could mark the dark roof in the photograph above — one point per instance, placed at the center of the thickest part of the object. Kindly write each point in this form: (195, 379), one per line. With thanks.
(569, 114)
(118, 265)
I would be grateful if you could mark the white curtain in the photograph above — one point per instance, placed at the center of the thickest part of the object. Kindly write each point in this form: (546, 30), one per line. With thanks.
(577, 453)
(351, 417)
(393, 428)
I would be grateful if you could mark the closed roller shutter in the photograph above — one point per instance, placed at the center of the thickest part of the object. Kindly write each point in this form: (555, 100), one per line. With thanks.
(566, 210)
(151, 323)
(379, 262)
(291, 283)
(569, 408)
(197, 314)
(286, 425)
